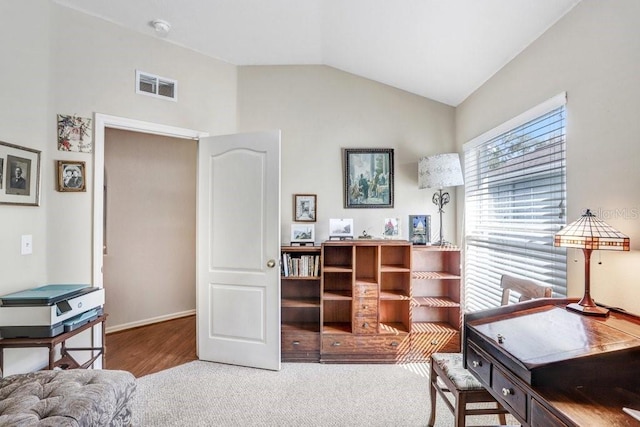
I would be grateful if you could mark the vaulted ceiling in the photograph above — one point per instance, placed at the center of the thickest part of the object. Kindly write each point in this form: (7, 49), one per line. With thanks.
(440, 49)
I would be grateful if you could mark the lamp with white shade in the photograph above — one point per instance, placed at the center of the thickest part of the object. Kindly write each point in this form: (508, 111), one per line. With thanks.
(440, 171)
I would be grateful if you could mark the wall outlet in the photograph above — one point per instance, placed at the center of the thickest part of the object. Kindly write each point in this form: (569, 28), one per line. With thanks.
(27, 245)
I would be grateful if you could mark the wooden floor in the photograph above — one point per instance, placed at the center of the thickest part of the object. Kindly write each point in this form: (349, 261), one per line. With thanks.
(152, 348)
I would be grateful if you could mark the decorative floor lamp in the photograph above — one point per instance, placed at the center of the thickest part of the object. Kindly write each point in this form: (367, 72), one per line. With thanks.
(589, 233)
(440, 171)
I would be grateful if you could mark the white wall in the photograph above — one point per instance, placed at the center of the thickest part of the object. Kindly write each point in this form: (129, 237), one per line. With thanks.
(58, 61)
(593, 53)
(320, 111)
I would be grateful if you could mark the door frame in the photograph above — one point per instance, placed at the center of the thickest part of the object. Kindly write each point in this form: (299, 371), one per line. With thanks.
(101, 123)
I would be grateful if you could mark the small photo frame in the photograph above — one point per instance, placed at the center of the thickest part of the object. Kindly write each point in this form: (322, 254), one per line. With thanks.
(303, 233)
(304, 207)
(420, 229)
(341, 228)
(391, 228)
(368, 178)
(19, 175)
(71, 176)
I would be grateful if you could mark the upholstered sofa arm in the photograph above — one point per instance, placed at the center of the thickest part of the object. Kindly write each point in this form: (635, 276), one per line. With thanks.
(67, 398)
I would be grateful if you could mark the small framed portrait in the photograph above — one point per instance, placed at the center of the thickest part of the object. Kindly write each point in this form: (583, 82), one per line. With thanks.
(304, 207)
(391, 228)
(368, 178)
(341, 228)
(420, 229)
(302, 233)
(71, 176)
(19, 175)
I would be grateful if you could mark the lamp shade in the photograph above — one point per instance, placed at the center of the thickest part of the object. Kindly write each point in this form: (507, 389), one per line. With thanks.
(439, 171)
(588, 232)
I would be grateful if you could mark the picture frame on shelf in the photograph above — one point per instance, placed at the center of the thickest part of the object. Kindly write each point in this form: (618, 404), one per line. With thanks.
(368, 178)
(391, 228)
(305, 207)
(420, 229)
(71, 176)
(341, 228)
(19, 175)
(303, 234)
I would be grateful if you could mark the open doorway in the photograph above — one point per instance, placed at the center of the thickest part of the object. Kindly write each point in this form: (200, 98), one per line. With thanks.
(102, 124)
(149, 259)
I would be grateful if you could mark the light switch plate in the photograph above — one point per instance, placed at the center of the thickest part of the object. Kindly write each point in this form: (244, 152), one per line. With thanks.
(26, 247)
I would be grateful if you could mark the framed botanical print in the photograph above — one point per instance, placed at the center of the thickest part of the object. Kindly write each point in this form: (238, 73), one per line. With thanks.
(368, 178)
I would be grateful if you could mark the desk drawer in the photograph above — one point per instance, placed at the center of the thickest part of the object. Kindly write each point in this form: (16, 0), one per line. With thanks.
(511, 394)
(541, 417)
(478, 364)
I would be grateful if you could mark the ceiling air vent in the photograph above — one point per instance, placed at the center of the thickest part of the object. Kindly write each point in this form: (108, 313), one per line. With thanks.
(160, 87)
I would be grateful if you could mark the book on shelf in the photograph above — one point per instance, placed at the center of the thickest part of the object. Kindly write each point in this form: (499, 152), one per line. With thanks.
(300, 266)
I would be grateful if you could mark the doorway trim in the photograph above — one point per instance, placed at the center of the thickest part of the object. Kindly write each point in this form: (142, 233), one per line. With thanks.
(101, 123)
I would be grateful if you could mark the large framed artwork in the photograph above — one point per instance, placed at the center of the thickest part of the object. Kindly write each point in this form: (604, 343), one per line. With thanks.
(368, 178)
(19, 175)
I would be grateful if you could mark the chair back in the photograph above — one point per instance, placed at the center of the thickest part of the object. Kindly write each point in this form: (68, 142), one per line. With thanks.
(527, 289)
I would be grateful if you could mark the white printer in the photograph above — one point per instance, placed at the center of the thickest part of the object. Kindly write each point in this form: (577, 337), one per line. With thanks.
(49, 310)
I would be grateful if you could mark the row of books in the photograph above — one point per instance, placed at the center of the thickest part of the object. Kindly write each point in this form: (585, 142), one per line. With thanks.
(300, 266)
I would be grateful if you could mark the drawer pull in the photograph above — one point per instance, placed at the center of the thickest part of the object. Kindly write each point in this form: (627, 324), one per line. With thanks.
(394, 344)
(336, 344)
(434, 342)
(364, 307)
(507, 391)
(476, 363)
(296, 343)
(365, 325)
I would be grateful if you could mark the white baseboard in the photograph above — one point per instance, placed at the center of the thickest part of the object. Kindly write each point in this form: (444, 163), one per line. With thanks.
(145, 322)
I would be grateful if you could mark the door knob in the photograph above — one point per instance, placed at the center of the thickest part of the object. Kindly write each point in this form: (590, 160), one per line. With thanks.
(271, 263)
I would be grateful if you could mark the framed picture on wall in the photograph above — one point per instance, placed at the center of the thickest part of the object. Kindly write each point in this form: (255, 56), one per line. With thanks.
(304, 207)
(420, 229)
(19, 175)
(71, 176)
(368, 178)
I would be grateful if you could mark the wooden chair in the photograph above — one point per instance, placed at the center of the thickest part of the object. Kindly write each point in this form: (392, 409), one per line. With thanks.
(448, 375)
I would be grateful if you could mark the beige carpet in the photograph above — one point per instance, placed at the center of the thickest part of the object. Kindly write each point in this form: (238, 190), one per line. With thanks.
(300, 394)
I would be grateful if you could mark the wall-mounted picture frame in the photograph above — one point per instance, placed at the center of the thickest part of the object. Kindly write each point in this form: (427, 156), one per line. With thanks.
(391, 228)
(420, 229)
(74, 134)
(71, 176)
(19, 175)
(305, 207)
(368, 178)
(303, 233)
(341, 228)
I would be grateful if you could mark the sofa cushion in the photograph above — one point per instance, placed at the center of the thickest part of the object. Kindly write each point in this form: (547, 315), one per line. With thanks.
(67, 398)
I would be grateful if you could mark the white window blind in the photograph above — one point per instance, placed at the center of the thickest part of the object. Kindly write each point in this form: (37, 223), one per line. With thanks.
(515, 195)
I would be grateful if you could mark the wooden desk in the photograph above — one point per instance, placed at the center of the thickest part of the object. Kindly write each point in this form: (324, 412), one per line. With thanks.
(553, 367)
(66, 360)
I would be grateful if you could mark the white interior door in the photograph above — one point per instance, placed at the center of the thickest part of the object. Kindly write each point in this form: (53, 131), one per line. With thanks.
(238, 295)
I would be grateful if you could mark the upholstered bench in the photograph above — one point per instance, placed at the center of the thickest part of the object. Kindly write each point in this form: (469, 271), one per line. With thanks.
(75, 397)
